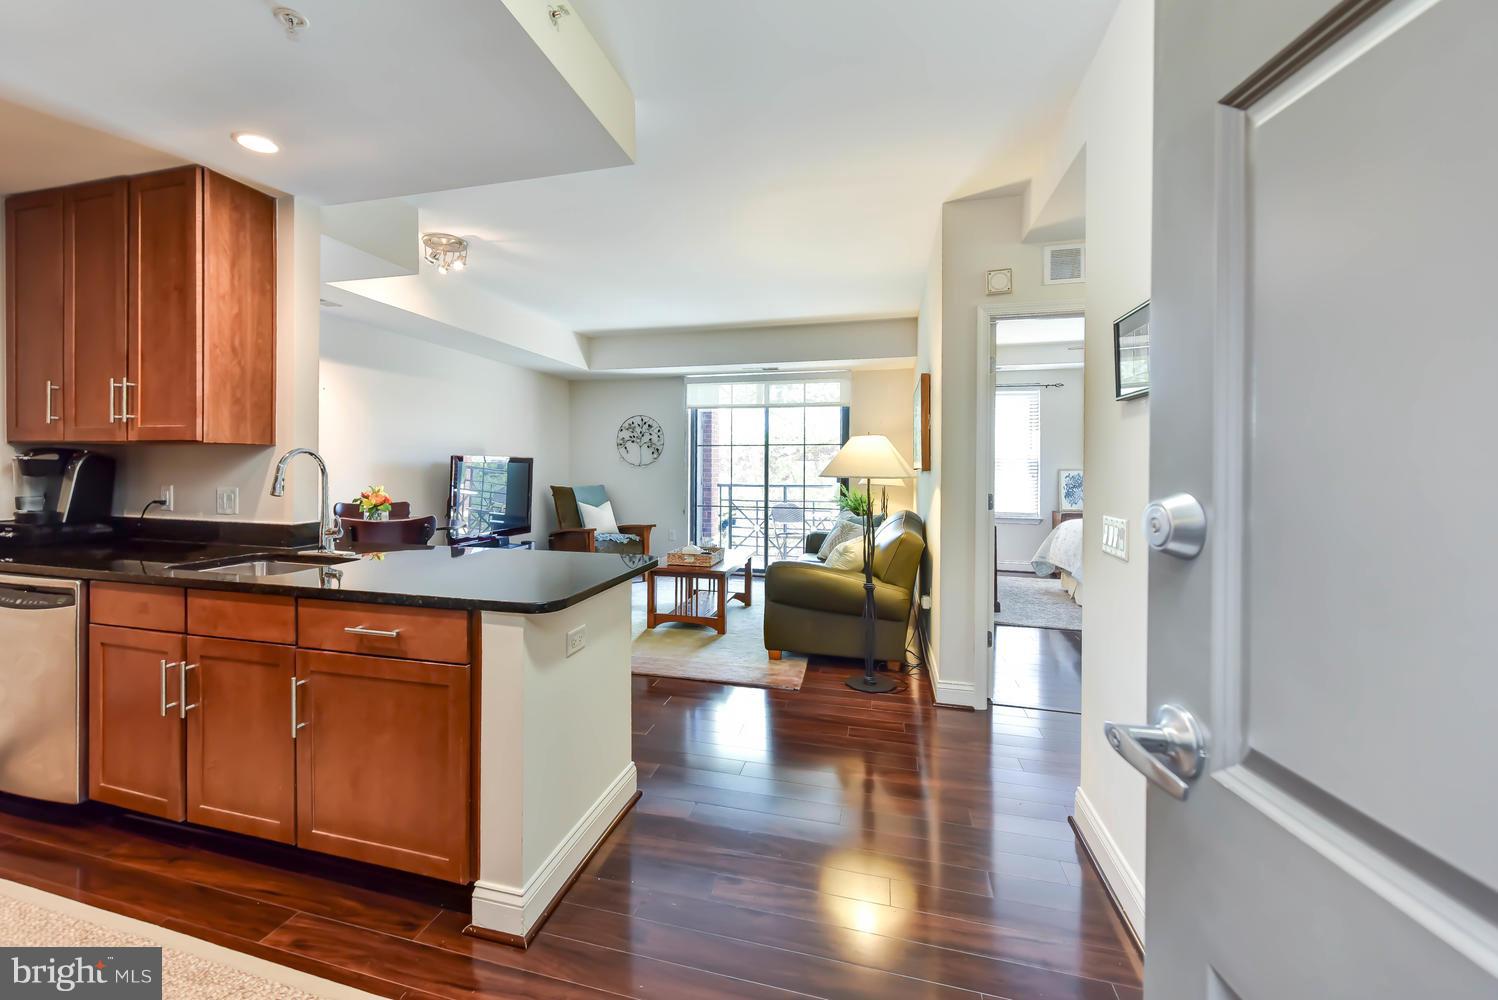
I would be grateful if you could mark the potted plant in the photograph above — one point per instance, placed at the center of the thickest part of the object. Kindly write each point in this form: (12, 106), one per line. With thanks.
(852, 501)
(374, 504)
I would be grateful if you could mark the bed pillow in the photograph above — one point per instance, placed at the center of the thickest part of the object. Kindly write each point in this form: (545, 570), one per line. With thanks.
(842, 529)
(600, 517)
(848, 555)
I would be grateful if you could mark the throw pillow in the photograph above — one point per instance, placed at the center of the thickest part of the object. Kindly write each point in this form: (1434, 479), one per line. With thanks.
(848, 555)
(839, 533)
(600, 517)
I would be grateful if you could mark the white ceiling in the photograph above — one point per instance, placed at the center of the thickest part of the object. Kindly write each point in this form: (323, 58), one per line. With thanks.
(792, 157)
(377, 98)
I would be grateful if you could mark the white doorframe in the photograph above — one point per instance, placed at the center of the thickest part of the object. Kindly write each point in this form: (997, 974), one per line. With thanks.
(983, 586)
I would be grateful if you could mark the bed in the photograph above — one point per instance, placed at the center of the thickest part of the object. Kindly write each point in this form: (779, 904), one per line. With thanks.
(1061, 553)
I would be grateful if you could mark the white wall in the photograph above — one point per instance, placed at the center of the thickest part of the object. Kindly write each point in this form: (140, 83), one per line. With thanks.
(883, 403)
(394, 409)
(976, 235)
(1060, 448)
(653, 494)
(1116, 100)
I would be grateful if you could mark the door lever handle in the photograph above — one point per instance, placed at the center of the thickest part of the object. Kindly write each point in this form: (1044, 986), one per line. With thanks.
(1170, 753)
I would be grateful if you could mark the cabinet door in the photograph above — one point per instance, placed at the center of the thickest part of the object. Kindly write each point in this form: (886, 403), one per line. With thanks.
(382, 762)
(34, 315)
(96, 250)
(241, 771)
(134, 724)
(166, 306)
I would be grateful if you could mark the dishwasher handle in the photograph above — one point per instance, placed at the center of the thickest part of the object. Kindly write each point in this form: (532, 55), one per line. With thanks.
(29, 599)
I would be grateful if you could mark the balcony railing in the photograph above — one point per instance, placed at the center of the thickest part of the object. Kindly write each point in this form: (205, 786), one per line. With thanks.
(774, 526)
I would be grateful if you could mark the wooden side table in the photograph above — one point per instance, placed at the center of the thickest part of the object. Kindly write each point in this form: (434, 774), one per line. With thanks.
(701, 592)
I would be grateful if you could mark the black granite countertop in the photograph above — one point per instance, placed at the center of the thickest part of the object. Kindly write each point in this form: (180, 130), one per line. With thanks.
(518, 581)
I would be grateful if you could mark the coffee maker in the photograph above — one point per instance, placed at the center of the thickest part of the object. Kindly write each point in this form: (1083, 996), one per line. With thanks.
(61, 494)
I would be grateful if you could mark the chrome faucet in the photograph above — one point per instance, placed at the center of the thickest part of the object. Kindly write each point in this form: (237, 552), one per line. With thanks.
(331, 527)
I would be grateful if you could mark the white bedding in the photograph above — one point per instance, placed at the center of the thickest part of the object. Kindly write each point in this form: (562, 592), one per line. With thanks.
(1061, 550)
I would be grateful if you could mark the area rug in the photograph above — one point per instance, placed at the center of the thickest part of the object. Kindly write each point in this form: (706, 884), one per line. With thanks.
(696, 653)
(1035, 602)
(191, 969)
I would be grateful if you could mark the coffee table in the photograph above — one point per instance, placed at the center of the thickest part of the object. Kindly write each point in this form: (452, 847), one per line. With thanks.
(701, 594)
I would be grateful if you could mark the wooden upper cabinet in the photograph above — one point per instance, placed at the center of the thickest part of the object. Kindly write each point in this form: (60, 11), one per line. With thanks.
(142, 309)
(34, 294)
(166, 306)
(135, 727)
(239, 313)
(95, 255)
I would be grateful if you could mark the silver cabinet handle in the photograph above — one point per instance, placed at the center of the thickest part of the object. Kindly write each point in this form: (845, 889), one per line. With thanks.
(51, 388)
(378, 633)
(125, 386)
(295, 725)
(182, 705)
(1170, 753)
(115, 385)
(165, 667)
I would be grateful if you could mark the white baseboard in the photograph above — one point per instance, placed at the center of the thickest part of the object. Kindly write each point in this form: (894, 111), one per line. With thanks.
(515, 910)
(1122, 882)
(956, 694)
(1014, 566)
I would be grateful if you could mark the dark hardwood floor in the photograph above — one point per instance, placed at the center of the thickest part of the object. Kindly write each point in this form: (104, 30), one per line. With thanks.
(820, 843)
(1037, 668)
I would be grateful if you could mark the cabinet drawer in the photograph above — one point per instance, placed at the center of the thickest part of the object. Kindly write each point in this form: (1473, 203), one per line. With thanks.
(252, 617)
(382, 630)
(133, 605)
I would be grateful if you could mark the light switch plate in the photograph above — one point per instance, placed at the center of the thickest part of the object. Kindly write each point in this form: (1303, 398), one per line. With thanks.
(226, 500)
(576, 639)
(1116, 536)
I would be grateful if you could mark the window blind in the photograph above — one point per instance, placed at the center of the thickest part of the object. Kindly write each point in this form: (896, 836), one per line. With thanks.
(1016, 453)
(780, 389)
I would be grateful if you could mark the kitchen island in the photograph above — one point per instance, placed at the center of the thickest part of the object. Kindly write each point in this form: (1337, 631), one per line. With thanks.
(461, 713)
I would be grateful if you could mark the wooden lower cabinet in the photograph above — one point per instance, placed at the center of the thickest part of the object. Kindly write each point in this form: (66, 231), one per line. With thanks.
(134, 745)
(383, 762)
(241, 766)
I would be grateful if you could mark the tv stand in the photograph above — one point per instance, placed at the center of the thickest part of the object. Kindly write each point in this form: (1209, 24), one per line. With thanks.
(503, 542)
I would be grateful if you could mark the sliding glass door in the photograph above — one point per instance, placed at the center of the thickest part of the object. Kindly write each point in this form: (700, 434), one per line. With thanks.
(758, 448)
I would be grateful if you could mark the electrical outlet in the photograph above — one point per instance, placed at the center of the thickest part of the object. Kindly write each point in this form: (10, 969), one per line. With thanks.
(1116, 536)
(168, 498)
(226, 500)
(576, 639)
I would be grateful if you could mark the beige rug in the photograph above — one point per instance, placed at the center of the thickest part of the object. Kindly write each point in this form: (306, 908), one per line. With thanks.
(696, 653)
(191, 969)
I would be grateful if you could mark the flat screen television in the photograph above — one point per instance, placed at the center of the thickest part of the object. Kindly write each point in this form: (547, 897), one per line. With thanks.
(489, 497)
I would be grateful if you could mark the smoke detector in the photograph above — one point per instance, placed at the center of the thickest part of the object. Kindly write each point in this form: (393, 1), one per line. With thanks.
(293, 21)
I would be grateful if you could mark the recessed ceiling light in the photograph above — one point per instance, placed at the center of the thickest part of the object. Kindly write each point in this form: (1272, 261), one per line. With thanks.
(255, 142)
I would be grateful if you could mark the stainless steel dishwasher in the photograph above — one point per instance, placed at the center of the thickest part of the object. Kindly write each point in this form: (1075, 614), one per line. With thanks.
(42, 688)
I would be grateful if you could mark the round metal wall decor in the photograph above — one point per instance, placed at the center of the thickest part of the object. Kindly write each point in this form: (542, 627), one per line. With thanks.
(640, 440)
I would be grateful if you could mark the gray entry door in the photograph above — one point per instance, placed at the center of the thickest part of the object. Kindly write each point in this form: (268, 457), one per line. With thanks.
(1325, 365)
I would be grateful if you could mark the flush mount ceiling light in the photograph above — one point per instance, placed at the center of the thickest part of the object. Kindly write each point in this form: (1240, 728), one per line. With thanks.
(445, 251)
(255, 142)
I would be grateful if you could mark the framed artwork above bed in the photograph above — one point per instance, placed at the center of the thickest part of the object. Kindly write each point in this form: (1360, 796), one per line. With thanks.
(1069, 489)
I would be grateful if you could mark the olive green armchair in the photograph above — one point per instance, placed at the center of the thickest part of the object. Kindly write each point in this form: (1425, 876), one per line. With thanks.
(813, 608)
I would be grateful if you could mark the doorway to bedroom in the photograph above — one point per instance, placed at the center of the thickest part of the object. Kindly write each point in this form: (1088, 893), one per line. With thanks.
(1037, 489)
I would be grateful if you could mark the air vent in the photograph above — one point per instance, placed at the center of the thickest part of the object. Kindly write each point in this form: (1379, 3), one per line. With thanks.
(1065, 264)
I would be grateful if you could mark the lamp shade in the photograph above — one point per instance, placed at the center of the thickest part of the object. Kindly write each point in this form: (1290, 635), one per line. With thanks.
(868, 456)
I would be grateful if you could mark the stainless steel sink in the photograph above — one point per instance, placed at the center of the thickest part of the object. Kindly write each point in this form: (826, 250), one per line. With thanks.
(261, 564)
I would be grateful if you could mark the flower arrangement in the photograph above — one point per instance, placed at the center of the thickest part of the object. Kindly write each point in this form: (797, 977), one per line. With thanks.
(374, 503)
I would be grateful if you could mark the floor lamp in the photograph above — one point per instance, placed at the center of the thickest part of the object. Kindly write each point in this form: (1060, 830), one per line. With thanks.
(869, 457)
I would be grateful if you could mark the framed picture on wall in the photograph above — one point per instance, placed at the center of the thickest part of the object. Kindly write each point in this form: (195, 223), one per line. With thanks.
(1069, 489)
(921, 440)
(1131, 353)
